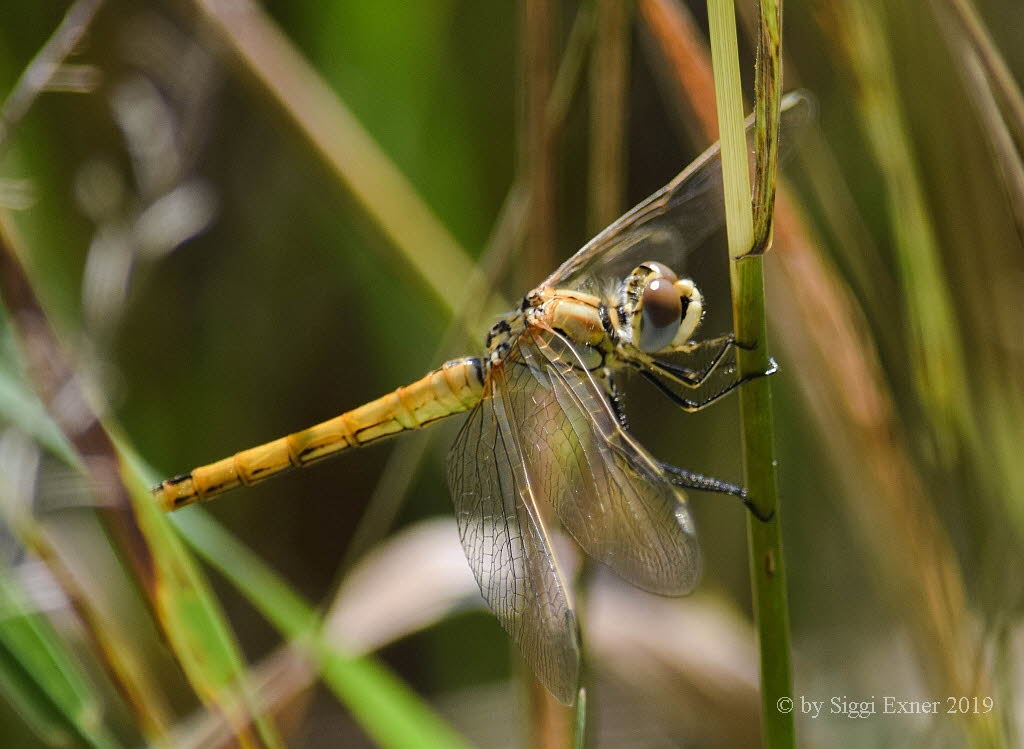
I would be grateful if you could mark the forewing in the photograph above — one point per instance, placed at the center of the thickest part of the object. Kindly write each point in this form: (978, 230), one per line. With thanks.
(496, 506)
(609, 493)
(672, 222)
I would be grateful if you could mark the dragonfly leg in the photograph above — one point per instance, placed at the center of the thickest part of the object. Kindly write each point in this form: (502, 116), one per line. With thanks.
(691, 406)
(690, 480)
(615, 398)
(694, 378)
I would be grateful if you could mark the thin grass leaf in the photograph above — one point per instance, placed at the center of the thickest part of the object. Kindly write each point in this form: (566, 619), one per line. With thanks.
(174, 589)
(389, 712)
(537, 151)
(767, 102)
(580, 729)
(936, 347)
(986, 75)
(973, 33)
(609, 107)
(42, 679)
(680, 48)
(21, 410)
(345, 146)
(767, 572)
(195, 625)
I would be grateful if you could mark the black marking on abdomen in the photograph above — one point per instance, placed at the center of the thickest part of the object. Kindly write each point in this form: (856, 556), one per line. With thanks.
(478, 367)
(177, 479)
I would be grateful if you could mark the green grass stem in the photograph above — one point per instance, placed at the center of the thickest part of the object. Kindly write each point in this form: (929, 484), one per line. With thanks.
(767, 573)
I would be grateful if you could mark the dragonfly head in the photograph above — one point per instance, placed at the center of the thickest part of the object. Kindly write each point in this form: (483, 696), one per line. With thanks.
(662, 309)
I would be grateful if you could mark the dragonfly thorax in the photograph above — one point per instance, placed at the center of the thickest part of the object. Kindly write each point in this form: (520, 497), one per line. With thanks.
(651, 311)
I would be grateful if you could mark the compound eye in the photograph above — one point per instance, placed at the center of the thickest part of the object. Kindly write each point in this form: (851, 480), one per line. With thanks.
(661, 312)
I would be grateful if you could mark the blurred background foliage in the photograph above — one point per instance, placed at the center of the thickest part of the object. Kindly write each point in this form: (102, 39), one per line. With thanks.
(218, 285)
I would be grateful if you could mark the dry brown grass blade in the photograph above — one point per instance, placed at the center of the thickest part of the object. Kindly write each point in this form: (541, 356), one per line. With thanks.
(973, 33)
(62, 394)
(680, 43)
(767, 98)
(987, 79)
(538, 144)
(609, 106)
(833, 359)
(549, 724)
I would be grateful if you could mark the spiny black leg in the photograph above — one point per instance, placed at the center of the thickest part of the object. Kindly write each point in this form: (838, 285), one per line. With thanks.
(690, 480)
(694, 378)
(615, 397)
(691, 406)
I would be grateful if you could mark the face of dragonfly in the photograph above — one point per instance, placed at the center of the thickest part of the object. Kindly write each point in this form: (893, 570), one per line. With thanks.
(658, 312)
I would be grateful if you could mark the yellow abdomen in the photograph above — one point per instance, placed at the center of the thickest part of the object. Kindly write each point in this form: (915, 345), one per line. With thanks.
(455, 387)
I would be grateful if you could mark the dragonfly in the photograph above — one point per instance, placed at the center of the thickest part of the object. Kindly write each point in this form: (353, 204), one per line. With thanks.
(546, 431)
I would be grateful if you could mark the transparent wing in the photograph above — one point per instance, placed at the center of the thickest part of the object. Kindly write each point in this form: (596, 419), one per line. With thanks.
(672, 222)
(502, 533)
(608, 492)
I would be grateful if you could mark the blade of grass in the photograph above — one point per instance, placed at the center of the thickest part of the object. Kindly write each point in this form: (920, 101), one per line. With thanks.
(42, 679)
(537, 150)
(974, 34)
(1001, 405)
(985, 75)
(176, 593)
(21, 410)
(549, 723)
(767, 101)
(767, 572)
(345, 146)
(678, 41)
(609, 106)
(580, 734)
(936, 346)
(389, 712)
(119, 658)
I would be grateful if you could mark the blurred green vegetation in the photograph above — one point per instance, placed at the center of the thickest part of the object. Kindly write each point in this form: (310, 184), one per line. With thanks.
(291, 305)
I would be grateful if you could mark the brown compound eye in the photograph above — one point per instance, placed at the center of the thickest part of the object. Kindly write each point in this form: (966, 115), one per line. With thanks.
(661, 311)
(661, 270)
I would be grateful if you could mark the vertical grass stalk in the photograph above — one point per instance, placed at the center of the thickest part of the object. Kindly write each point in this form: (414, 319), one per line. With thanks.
(550, 723)
(767, 573)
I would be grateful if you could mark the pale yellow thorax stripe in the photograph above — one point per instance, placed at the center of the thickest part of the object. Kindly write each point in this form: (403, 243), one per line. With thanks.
(455, 387)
